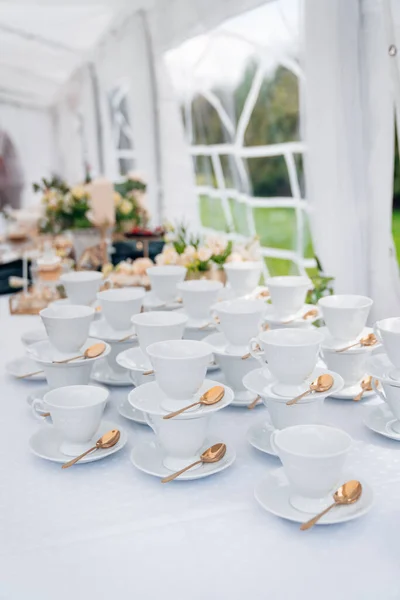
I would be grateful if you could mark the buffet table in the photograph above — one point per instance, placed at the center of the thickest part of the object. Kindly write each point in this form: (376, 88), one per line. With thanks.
(105, 530)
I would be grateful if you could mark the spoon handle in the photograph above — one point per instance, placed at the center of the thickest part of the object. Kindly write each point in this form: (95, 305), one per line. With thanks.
(254, 403)
(181, 410)
(348, 347)
(359, 396)
(148, 372)
(311, 522)
(294, 400)
(175, 475)
(66, 360)
(29, 375)
(75, 460)
(127, 337)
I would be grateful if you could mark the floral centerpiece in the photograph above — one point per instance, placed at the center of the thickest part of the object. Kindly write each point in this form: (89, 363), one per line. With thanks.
(130, 204)
(128, 273)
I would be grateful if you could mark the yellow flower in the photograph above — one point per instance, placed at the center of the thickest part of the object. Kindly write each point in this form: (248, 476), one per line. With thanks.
(78, 192)
(125, 207)
(117, 198)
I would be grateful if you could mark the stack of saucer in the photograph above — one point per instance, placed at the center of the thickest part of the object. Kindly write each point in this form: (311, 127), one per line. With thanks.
(67, 329)
(288, 359)
(384, 366)
(288, 308)
(180, 368)
(118, 306)
(342, 348)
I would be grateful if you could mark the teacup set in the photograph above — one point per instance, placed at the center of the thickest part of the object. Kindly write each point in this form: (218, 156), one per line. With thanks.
(288, 307)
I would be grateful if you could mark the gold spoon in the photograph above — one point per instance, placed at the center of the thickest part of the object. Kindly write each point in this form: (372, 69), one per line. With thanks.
(211, 455)
(309, 314)
(368, 340)
(254, 403)
(148, 372)
(323, 383)
(366, 386)
(127, 337)
(256, 348)
(348, 493)
(211, 396)
(91, 352)
(108, 440)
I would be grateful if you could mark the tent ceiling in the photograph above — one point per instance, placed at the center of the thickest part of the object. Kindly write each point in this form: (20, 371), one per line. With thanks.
(43, 43)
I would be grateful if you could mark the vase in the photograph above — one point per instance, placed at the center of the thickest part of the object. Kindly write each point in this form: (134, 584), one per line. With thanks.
(210, 274)
(83, 239)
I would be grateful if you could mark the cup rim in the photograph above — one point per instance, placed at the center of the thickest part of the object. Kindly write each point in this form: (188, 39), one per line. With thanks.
(242, 265)
(127, 294)
(204, 349)
(281, 280)
(166, 270)
(325, 302)
(313, 456)
(251, 302)
(319, 337)
(94, 388)
(57, 313)
(190, 285)
(177, 318)
(81, 276)
(379, 326)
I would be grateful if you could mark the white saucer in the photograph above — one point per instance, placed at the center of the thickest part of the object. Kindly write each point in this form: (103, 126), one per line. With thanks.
(150, 398)
(351, 391)
(271, 317)
(151, 302)
(102, 373)
(273, 492)
(259, 385)
(23, 366)
(34, 335)
(259, 436)
(331, 343)
(218, 342)
(240, 401)
(379, 419)
(40, 393)
(380, 367)
(104, 331)
(128, 412)
(45, 353)
(133, 359)
(46, 442)
(148, 457)
(96, 305)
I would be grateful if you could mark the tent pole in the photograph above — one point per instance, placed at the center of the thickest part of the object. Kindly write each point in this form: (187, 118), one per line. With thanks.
(156, 117)
(97, 112)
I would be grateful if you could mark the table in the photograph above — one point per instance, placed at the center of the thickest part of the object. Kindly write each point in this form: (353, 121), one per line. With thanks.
(105, 530)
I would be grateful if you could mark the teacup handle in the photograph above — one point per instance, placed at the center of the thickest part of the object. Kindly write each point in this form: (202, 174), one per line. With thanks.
(39, 411)
(254, 352)
(377, 333)
(377, 390)
(272, 442)
(149, 421)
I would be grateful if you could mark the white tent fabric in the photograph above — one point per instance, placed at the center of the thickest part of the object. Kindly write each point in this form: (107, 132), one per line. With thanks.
(350, 136)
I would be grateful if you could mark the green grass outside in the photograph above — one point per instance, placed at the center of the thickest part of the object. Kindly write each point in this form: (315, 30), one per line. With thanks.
(275, 226)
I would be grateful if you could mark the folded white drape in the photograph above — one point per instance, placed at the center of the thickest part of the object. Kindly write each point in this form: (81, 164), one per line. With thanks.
(349, 129)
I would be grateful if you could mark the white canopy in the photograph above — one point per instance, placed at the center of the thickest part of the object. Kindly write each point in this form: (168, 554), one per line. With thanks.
(64, 67)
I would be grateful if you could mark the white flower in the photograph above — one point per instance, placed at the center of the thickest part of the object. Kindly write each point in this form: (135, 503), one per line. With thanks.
(141, 265)
(125, 207)
(204, 254)
(217, 245)
(188, 257)
(234, 257)
(169, 256)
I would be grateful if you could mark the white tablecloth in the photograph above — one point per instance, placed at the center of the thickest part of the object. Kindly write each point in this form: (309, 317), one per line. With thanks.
(106, 530)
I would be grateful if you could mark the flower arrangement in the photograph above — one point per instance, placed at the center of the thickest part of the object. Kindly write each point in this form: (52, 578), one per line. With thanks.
(128, 273)
(63, 207)
(130, 204)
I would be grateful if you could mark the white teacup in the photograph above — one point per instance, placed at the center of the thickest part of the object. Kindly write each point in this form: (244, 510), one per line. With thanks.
(234, 369)
(119, 305)
(181, 439)
(345, 315)
(243, 277)
(305, 412)
(180, 368)
(288, 293)
(158, 326)
(62, 375)
(82, 286)
(164, 280)
(352, 366)
(67, 326)
(390, 395)
(388, 332)
(198, 297)
(290, 355)
(313, 457)
(239, 321)
(76, 412)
